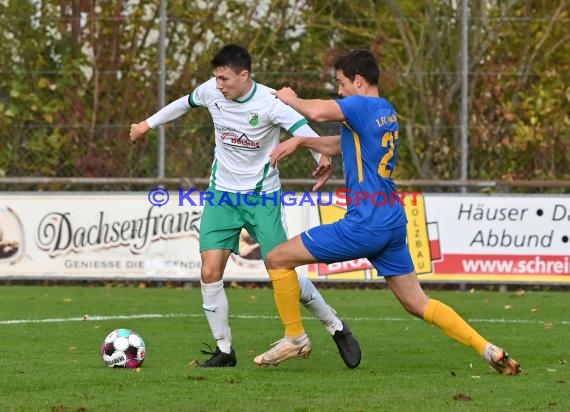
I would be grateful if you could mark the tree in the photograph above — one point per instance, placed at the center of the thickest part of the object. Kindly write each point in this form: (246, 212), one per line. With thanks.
(76, 73)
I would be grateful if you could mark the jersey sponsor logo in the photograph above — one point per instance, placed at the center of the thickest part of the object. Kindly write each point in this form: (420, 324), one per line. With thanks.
(242, 141)
(253, 118)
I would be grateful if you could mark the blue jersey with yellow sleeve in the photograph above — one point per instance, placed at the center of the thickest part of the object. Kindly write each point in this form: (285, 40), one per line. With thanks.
(369, 146)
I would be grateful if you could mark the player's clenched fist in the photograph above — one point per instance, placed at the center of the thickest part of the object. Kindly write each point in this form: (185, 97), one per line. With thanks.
(138, 130)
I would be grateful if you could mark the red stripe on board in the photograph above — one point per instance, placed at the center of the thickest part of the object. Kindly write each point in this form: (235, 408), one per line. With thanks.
(503, 264)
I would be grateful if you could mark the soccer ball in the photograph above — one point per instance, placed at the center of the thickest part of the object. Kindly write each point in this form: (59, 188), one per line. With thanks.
(123, 348)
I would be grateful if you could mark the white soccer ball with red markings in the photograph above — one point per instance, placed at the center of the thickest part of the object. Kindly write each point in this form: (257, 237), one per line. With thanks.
(123, 348)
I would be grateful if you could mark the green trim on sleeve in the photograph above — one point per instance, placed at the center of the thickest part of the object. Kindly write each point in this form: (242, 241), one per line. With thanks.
(191, 101)
(297, 125)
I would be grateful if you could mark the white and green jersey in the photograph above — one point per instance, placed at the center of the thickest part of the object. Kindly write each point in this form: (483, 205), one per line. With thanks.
(246, 131)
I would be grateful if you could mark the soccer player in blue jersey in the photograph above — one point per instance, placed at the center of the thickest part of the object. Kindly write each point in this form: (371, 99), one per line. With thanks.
(369, 147)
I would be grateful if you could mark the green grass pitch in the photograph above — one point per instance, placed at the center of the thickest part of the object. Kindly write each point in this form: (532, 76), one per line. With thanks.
(50, 356)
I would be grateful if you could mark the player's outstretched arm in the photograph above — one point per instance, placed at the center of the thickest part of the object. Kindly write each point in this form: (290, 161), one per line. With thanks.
(169, 112)
(314, 109)
(326, 145)
(324, 163)
(284, 149)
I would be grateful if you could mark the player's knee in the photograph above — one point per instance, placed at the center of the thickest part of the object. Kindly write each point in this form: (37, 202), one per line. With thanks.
(211, 274)
(271, 260)
(276, 260)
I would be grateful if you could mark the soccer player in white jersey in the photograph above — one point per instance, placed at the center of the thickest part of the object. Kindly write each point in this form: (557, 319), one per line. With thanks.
(247, 122)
